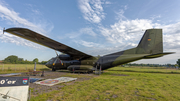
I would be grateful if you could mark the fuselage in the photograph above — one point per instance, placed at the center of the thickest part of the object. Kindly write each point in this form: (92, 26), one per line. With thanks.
(93, 63)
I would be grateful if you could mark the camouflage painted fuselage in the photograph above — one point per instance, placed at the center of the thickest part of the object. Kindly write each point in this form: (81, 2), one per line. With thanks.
(150, 46)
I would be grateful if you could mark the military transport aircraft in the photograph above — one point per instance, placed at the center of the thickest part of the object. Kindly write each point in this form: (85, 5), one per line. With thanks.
(150, 46)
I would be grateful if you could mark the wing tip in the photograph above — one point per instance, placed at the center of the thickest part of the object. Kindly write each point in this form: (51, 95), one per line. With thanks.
(14, 28)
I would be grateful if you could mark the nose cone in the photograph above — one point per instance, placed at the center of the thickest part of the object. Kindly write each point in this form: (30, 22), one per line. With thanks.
(48, 64)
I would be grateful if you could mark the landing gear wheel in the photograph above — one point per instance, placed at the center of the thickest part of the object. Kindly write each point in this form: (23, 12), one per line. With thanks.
(53, 69)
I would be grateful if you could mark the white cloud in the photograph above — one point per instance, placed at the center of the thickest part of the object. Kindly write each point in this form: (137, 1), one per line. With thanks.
(36, 11)
(82, 31)
(88, 31)
(13, 18)
(120, 13)
(125, 7)
(7, 38)
(108, 2)
(87, 44)
(124, 31)
(92, 10)
(1, 30)
(102, 49)
(155, 17)
(171, 36)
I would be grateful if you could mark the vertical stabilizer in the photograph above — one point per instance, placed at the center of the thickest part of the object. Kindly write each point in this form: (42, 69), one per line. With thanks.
(151, 42)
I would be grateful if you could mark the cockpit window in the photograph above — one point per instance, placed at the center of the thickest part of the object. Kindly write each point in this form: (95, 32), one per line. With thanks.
(50, 61)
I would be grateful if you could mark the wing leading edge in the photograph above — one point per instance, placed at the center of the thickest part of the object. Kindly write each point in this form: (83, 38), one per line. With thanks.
(45, 41)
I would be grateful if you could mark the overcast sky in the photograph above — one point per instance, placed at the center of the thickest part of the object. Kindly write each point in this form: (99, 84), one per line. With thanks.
(96, 27)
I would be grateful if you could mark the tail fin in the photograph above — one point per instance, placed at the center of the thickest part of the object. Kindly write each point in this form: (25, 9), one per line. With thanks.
(151, 42)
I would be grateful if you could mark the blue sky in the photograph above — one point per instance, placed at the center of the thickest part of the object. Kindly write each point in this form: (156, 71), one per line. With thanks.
(97, 27)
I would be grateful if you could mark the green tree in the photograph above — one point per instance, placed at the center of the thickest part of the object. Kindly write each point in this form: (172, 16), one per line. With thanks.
(28, 62)
(35, 60)
(11, 59)
(178, 62)
(20, 60)
(43, 62)
(98, 56)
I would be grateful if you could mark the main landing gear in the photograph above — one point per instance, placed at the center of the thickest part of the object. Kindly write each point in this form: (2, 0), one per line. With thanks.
(98, 71)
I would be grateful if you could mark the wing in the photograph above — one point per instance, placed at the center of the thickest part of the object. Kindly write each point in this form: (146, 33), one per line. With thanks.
(45, 41)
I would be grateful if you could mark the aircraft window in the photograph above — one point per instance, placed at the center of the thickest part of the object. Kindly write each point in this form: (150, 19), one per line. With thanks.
(50, 61)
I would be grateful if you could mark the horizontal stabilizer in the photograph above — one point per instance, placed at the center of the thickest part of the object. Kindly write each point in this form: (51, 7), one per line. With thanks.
(157, 55)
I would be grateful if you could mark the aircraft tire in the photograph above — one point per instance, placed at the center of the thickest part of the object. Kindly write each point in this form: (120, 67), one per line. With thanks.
(53, 69)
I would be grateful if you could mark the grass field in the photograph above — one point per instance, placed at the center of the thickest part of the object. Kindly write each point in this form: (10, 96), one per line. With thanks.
(13, 68)
(120, 84)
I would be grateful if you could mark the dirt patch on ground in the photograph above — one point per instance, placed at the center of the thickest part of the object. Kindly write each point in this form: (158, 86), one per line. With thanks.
(39, 89)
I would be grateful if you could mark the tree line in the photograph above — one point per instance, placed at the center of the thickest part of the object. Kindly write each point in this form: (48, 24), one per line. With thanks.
(155, 65)
(151, 65)
(15, 60)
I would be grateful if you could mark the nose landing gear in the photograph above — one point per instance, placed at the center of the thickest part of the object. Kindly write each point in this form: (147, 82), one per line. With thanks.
(53, 69)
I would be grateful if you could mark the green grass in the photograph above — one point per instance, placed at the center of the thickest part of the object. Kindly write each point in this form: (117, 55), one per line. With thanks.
(146, 70)
(140, 84)
(16, 68)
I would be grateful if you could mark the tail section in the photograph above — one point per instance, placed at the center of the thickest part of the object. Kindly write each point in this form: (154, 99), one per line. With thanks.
(151, 42)
(150, 46)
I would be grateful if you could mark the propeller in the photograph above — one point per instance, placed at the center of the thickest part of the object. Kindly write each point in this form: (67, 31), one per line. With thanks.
(56, 59)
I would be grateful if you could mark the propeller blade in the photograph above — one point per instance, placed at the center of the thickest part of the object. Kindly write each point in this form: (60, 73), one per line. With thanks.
(56, 58)
(56, 53)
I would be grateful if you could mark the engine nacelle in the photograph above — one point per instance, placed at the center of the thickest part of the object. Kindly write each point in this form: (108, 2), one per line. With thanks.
(64, 57)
